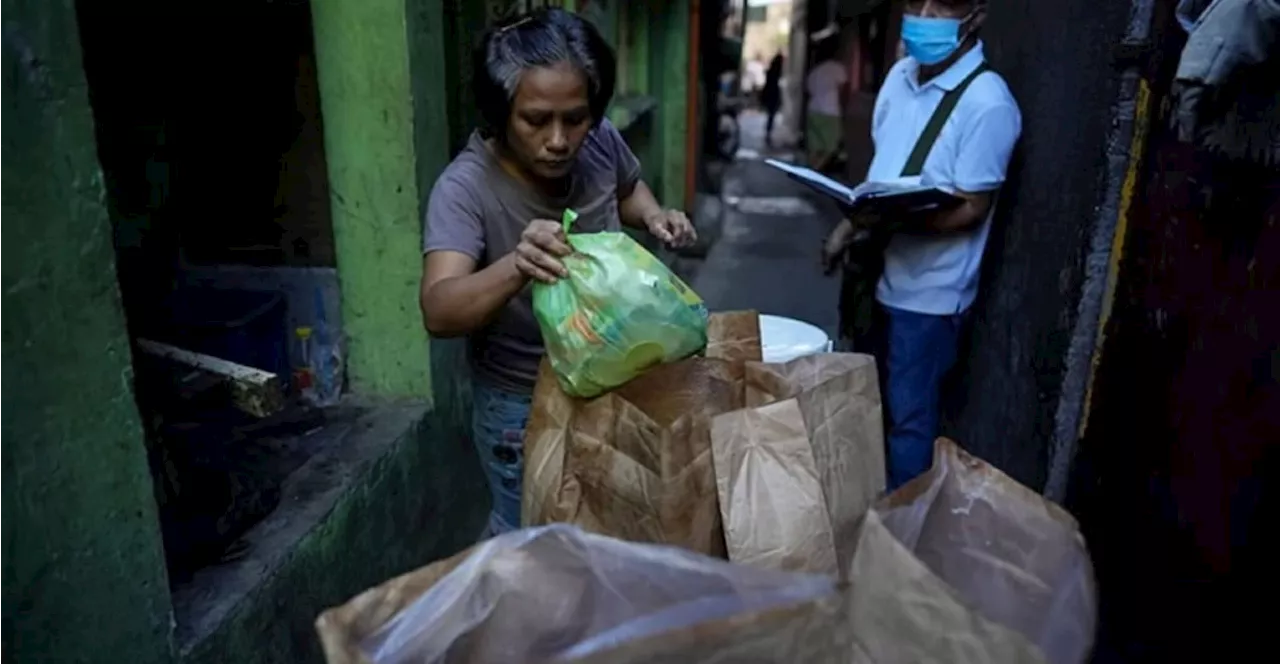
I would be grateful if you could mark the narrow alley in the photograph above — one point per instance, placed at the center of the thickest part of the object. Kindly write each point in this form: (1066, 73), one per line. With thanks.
(766, 233)
(346, 331)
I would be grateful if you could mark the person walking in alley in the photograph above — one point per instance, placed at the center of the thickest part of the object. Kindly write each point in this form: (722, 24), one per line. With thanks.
(543, 82)
(771, 95)
(827, 85)
(944, 118)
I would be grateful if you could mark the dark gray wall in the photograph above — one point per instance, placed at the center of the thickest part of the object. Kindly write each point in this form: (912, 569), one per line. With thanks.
(1056, 57)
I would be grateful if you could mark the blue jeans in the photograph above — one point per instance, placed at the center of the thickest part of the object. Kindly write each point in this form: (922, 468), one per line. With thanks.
(918, 351)
(498, 419)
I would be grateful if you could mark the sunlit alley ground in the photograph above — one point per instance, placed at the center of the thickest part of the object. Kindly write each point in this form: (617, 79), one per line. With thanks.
(766, 232)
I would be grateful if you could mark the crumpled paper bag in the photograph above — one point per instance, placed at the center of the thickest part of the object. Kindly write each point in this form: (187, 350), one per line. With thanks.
(553, 593)
(797, 470)
(1015, 556)
(635, 463)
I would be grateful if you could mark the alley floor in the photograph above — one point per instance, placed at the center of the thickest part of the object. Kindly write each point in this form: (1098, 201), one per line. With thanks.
(766, 233)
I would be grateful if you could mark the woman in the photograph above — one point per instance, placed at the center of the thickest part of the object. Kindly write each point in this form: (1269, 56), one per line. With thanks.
(543, 82)
(771, 95)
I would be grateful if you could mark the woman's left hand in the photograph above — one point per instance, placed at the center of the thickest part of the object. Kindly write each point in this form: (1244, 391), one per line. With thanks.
(672, 228)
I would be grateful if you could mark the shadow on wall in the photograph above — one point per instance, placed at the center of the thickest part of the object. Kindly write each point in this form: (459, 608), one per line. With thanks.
(1065, 83)
(451, 389)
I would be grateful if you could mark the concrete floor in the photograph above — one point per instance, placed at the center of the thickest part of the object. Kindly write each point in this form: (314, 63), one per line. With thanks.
(767, 232)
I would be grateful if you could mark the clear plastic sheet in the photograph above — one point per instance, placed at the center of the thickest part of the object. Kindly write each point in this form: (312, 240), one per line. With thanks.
(1010, 553)
(556, 592)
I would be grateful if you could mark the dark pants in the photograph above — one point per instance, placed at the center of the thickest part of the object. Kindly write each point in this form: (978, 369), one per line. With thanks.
(771, 99)
(913, 352)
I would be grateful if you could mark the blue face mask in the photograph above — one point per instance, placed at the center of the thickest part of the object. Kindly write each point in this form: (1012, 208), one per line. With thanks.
(930, 40)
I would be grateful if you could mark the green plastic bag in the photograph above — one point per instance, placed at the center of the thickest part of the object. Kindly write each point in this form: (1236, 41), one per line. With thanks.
(619, 312)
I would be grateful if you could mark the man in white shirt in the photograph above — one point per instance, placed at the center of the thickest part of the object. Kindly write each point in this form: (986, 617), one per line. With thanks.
(930, 272)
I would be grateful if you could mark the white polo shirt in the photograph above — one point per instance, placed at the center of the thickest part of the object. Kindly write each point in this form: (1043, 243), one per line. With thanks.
(939, 274)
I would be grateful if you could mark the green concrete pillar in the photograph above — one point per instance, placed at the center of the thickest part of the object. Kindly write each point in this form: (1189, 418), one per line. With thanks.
(670, 74)
(84, 575)
(385, 138)
(639, 36)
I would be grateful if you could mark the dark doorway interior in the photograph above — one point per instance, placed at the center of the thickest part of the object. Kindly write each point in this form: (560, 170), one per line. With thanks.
(210, 138)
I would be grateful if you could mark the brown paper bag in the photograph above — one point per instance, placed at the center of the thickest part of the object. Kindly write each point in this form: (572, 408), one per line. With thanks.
(1016, 557)
(798, 469)
(636, 463)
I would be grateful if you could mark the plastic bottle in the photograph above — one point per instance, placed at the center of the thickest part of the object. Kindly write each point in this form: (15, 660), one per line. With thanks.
(304, 374)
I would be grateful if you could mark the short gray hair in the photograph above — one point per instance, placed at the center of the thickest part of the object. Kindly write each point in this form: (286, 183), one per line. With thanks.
(543, 38)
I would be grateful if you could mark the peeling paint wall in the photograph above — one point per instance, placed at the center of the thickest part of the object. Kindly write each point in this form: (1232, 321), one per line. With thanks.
(84, 573)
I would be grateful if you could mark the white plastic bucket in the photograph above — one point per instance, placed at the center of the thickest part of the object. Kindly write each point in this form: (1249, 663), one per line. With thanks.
(785, 339)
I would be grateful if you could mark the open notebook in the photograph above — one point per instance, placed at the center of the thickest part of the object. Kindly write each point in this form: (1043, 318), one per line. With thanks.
(905, 196)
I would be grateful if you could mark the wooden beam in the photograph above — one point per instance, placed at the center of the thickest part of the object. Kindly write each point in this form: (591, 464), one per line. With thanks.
(256, 392)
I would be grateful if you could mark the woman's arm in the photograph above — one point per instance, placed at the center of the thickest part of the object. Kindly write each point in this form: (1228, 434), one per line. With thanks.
(638, 206)
(640, 209)
(456, 299)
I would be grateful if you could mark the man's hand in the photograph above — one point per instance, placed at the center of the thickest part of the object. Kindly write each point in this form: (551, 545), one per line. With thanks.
(835, 244)
(672, 228)
(542, 245)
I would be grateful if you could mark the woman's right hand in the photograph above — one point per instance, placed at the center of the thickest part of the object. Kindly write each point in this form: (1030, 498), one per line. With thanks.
(542, 245)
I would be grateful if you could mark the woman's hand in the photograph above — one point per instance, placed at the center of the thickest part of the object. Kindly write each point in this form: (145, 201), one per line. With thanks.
(542, 245)
(672, 228)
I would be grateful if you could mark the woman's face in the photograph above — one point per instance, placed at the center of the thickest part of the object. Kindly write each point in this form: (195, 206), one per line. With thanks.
(550, 117)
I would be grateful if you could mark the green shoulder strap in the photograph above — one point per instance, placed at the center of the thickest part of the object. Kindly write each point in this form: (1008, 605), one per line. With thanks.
(915, 163)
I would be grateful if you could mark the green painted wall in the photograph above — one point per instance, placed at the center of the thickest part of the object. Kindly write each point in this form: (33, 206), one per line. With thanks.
(669, 74)
(637, 84)
(363, 53)
(427, 34)
(636, 39)
(83, 566)
(418, 496)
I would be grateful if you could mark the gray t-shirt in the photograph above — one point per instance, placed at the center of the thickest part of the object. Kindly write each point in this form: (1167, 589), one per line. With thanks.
(478, 209)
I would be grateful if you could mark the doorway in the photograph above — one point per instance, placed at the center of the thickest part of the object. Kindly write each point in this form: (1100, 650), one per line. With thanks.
(210, 138)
